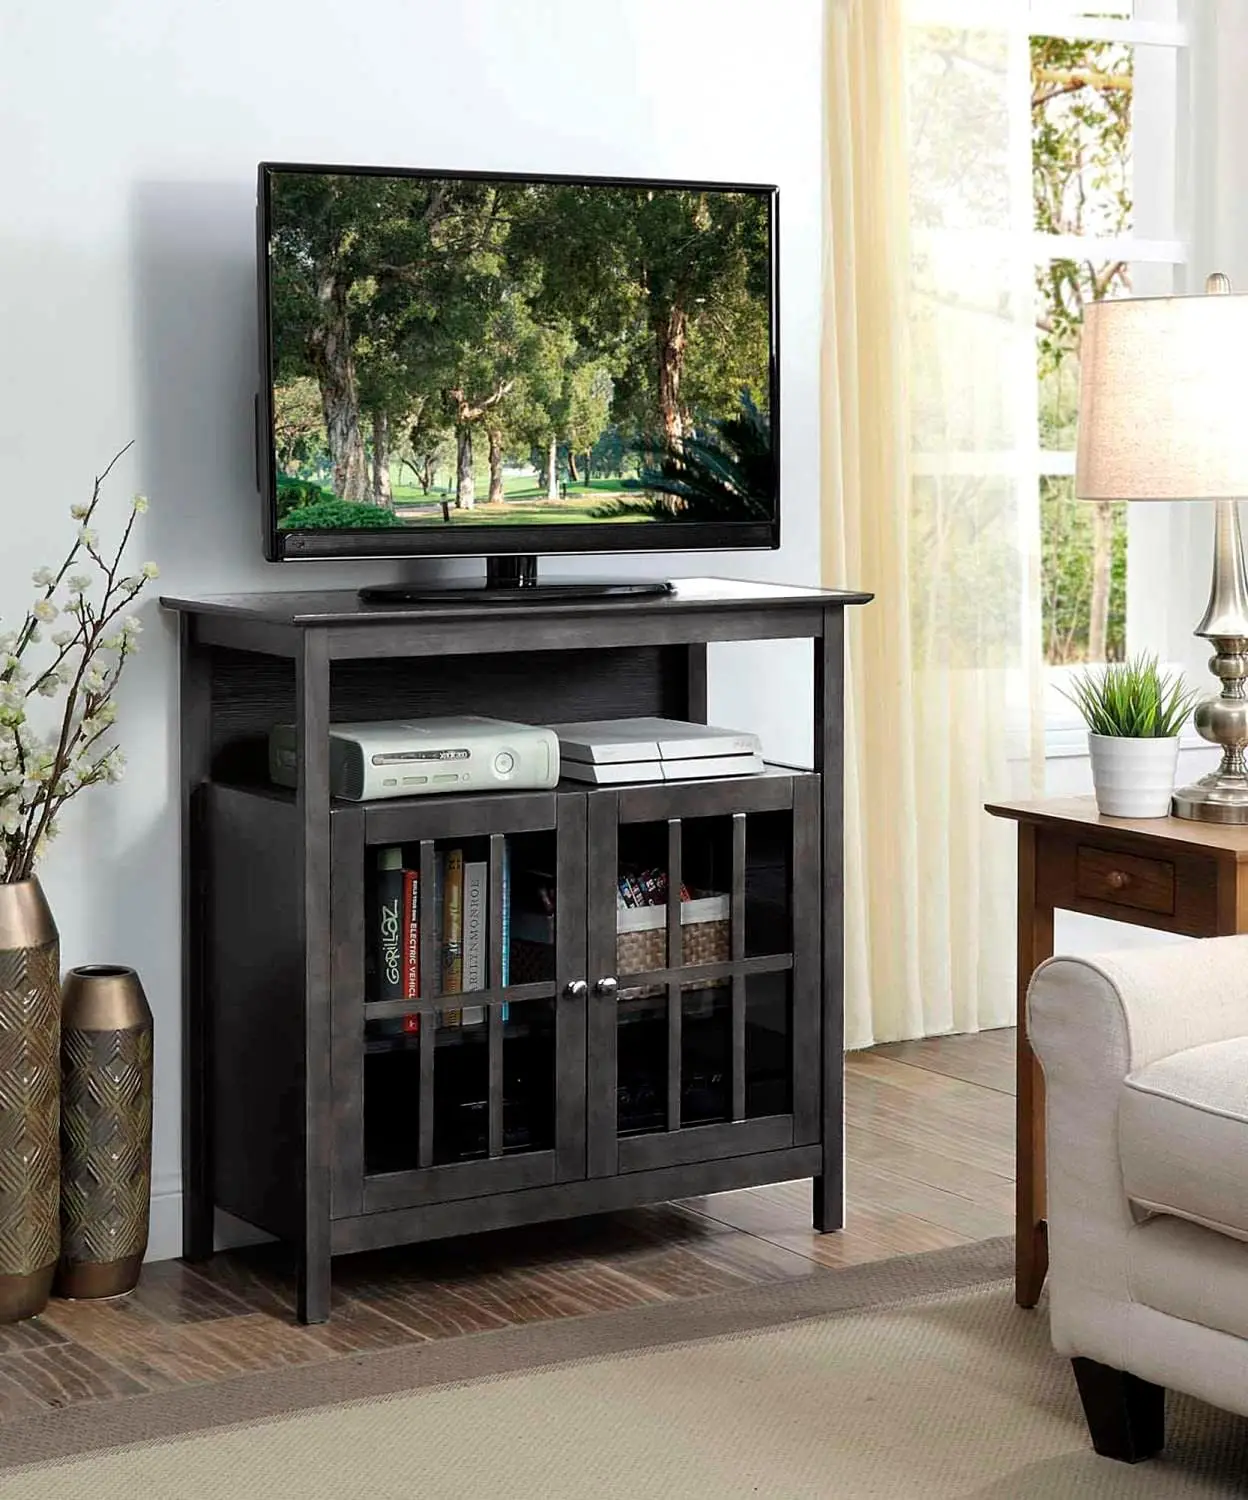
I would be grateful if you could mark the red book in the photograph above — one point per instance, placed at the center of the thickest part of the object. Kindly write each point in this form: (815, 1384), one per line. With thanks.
(411, 935)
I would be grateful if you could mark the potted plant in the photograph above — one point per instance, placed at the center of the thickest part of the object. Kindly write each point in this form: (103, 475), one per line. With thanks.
(1134, 712)
(60, 664)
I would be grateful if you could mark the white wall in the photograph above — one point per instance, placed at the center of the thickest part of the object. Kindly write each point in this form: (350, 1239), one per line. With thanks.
(129, 136)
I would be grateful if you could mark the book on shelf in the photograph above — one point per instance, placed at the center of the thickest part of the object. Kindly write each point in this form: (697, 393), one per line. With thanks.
(388, 924)
(475, 934)
(394, 938)
(649, 888)
(452, 931)
(505, 977)
(476, 884)
(411, 935)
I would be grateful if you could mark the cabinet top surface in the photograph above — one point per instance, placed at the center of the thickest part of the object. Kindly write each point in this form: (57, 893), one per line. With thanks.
(344, 607)
(1079, 815)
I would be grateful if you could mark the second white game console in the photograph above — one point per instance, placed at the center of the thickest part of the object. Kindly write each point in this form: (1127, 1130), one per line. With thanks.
(422, 757)
(613, 752)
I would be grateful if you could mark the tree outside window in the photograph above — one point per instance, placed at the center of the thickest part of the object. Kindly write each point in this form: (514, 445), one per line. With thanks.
(1081, 99)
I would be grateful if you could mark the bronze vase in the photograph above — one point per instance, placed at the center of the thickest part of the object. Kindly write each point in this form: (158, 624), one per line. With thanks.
(30, 1010)
(106, 1131)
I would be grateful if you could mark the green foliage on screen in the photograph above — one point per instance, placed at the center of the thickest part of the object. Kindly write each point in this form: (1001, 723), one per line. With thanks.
(335, 515)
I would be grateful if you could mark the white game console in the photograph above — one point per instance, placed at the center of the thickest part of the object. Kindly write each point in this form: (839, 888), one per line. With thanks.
(613, 752)
(423, 757)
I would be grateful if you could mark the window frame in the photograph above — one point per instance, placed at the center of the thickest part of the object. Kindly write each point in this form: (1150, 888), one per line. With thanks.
(1147, 549)
(1156, 24)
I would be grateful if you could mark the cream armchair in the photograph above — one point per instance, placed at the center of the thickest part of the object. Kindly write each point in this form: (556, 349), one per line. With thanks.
(1145, 1058)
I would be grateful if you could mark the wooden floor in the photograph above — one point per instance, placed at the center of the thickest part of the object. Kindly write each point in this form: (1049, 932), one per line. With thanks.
(930, 1145)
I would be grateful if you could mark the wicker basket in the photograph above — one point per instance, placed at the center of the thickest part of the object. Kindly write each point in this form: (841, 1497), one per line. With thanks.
(641, 941)
(641, 944)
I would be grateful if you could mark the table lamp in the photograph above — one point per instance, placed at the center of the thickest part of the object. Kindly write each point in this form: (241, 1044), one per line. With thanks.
(1163, 415)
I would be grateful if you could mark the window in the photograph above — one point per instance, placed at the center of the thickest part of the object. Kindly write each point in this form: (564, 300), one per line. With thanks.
(1061, 183)
(1105, 88)
(1107, 136)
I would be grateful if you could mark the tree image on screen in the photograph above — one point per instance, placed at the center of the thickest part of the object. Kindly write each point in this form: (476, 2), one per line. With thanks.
(470, 352)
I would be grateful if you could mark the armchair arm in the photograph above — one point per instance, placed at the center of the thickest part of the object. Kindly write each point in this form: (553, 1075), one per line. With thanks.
(1091, 1022)
(1131, 1008)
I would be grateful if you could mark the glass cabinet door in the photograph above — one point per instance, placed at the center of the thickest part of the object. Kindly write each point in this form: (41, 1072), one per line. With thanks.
(468, 1076)
(704, 965)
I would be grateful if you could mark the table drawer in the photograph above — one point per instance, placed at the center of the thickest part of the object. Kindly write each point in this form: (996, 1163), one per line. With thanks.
(1125, 880)
(1117, 875)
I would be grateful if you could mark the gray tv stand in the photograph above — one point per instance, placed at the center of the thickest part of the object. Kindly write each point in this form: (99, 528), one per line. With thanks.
(566, 1086)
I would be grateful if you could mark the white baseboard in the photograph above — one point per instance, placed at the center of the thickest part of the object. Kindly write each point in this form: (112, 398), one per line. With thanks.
(164, 1235)
(164, 1239)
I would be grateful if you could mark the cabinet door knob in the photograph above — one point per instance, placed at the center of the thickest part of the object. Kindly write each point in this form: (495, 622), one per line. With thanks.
(607, 989)
(576, 989)
(1117, 879)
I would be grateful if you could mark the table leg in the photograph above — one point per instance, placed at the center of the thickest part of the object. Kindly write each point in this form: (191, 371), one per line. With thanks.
(1035, 943)
(1232, 893)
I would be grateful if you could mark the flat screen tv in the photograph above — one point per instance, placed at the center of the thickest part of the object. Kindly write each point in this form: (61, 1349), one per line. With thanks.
(502, 365)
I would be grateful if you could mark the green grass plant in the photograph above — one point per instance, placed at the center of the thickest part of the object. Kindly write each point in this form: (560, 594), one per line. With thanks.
(1132, 699)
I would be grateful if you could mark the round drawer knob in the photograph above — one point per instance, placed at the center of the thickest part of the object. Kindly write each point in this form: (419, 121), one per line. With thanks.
(607, 989)
(576, 989)
(1117, 880)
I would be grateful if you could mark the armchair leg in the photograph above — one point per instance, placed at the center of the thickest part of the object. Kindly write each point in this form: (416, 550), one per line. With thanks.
(1126, 1415)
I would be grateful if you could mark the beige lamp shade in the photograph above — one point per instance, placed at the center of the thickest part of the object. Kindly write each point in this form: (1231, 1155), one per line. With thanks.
(1163, 399)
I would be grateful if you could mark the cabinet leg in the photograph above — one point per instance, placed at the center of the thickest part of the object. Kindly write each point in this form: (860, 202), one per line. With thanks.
(828, 1204)
(313, 1285)
(197, 1224)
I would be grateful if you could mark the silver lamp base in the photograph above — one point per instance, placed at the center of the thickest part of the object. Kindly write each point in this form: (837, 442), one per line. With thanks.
(1223, 796)
(1213, 799)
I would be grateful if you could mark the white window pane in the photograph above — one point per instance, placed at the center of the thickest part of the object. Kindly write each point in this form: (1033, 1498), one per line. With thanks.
(1063, 288)
(1083, 560)
(1121, 10)
(968, 578)
(960, 129)
(1155, 142)
(1081, 136)
(1162, 11)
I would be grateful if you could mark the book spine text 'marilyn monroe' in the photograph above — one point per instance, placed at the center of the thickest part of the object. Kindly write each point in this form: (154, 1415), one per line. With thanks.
(476, 888)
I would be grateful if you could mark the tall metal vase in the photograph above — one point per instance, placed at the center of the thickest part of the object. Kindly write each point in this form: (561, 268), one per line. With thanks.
(30, 1009)
(106, 1131)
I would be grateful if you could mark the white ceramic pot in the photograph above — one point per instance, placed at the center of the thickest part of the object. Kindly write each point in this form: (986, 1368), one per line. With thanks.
(1134, 778)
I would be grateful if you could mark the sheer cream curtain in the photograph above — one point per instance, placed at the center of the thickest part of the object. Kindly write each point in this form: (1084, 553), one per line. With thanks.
(930, 499)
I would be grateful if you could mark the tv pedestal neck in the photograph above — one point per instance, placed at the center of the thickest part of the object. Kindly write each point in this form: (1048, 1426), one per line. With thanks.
(601, 1071)
(513, 580)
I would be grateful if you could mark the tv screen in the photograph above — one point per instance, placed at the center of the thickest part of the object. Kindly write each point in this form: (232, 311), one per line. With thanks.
(503, 364)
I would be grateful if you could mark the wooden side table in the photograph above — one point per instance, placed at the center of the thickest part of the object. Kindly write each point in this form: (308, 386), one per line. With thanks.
(1169, 873)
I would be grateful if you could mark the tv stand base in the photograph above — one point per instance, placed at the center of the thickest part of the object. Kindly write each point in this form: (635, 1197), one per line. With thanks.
(511, 580)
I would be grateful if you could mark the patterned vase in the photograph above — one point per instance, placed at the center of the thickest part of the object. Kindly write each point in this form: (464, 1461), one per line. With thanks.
(106, 1131)
(30, 1008)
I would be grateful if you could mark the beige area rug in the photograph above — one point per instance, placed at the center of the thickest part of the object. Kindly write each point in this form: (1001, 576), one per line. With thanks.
(916, 1378)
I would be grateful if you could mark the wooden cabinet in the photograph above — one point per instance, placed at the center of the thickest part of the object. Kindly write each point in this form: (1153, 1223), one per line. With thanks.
(610, 1055)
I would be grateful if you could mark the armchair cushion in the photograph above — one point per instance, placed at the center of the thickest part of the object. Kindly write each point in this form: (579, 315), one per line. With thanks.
(1183, 1136)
